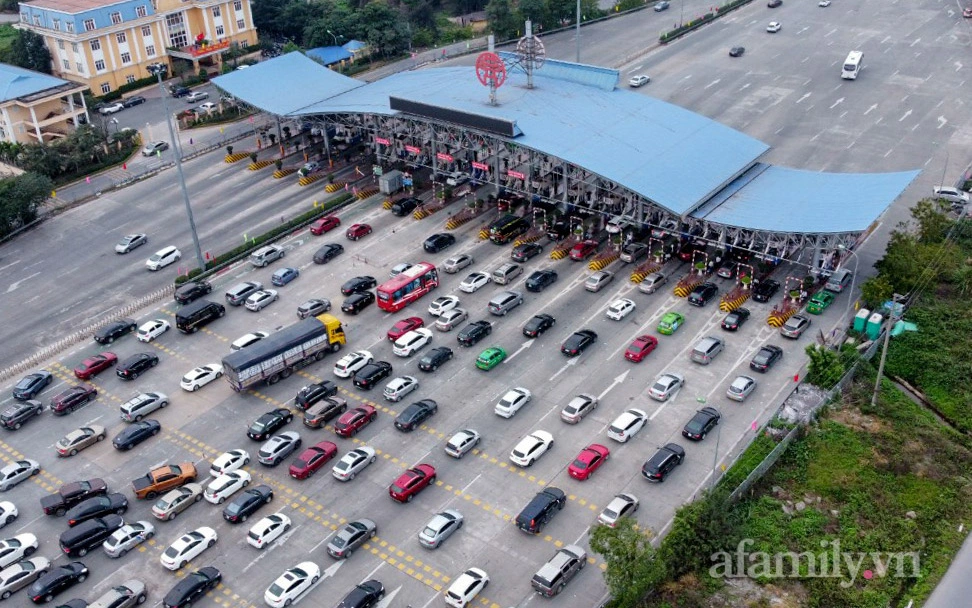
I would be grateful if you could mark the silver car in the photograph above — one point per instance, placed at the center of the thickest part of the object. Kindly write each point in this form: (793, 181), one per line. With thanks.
(21, 574)
(17, 471)
(462, 442)
(665, 385)
(351, 536)
(313, 307)
(130, 242)
(127, 538)
(353, 463)
(177, 501)
(126, 595)
(451, 319)
(440, 528)
(741, 388)
(457, 263)
(278, 447)
(142, 405)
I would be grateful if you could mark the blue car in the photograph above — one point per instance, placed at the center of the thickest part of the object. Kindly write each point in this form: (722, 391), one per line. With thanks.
(284, 276)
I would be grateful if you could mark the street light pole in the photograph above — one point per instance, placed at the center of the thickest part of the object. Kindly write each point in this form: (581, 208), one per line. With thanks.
(159, 69)
(332, 36)
(577, 31)
(884, 350)
(853, 279)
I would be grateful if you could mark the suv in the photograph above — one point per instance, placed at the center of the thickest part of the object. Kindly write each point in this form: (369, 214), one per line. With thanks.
(263, 256)
(706, 350)
(702, 294)
(506, 273)
(403, 207)
(238, 294)
(77, 541)
(17, 414)
(504, 302)
(661, 464)
(553, 576)
(541, 510)
(192, 291)
(324, 410)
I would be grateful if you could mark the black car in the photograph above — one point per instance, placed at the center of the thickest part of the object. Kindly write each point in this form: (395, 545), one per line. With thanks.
(114, 330)
(178, 91)
(540, 280)
(358, 284)
(661, 464)
(312, 393)
(133, 101)
(403, 207)
(578, 342)
(328, 252)
(415, 414)
(373, 373)
(57, 580)
(357, 302)
(765, 290)
(365, 595)
(438, 242)
(79, 540)
(537, 325)
(735, 319)
(136, 433)
(766, 357)
(525, 251)
(737, 51)
(269, 423)
(31, 384)
(558, 230)
(193, 290)
(130, 368)
(193, 587)
(18, 414)
(434, 358)
(703, 294)
(474, 332)
(247, 503)
(97, 506)
(699, 426)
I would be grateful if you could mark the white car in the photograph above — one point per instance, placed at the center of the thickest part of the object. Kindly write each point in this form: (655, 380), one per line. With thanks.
(457, 263)
(952, 195)
(457, 178)
(229, 461)
(201, 376)
(128, 537)
(8, 513)
(12, 550)
(162, 258)
(451, 319)
(474, 281)
(639, 80)
(620, 506)
(197, 96)
(261, 299)
(774, 26)
(823, 3)
(207, 107)
(112, 108)
(187, 547)
(531, 448)
(16, 472)
(442, 304)
(226, 485)
(21, 574)
(399, 387)
(151, 330)
(353, 463)
(620, 309)
(347, 365)
(466, 587)
(292, 584)
(512, 401)
(462, 442)
(141, 405)
(627, 425)
(399, 268)
(411, 342)
(267, 530)
(665, 386)
(248, 339)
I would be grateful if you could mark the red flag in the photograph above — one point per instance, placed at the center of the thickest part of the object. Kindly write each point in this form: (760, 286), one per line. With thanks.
(125, 166)
(796, 377)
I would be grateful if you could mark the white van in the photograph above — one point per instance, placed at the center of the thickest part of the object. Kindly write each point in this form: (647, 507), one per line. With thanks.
(839, 280)
(163, 257)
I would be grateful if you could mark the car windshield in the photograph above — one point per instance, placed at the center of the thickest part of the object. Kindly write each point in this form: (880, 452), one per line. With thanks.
(25, 383)
(171, 552)
(234, 508)
(609, 514)
(637, 347)
(661, 386)
(761, 357)
(694, 425)
(275, 590)
(580, 464)
(339, 542)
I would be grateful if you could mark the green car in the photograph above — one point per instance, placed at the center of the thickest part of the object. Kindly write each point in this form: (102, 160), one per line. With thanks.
(670, 322)
(490, 358)
(820, 301)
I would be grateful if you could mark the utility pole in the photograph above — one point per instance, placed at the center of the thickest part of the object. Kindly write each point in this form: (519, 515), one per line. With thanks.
(884, 351)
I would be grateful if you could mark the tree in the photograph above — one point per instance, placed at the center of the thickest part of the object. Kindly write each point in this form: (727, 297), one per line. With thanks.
(932, 219)
(876, 291)
(535, 11)
(632, 566)
(29, 51)
(825, 368)
(382, 27)
(502, 21)
(21, 196)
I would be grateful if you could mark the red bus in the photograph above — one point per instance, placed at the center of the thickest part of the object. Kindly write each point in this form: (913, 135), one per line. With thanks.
(401, 290)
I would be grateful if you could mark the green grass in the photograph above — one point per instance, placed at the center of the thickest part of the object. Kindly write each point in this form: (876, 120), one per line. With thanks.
(7, 35)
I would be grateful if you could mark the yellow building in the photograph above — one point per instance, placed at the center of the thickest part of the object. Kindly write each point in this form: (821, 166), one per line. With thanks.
(37, 108)
(108, 43)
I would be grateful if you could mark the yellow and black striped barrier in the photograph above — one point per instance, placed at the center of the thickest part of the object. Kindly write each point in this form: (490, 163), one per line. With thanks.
(309, 179)
(778, 317)
(387, 204)
(602, 261)
(366, 193)
(560, 252)
(333, 187)
(526, 238)
(731, 302)
(283, 173)
(484, 234)
(457, 220)
(235, 158)
(687, 284)
(644, 270)
(259, 165)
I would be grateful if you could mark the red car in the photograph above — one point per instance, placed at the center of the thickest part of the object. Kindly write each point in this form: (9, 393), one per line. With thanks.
(404, 326)
(583, 250)
(356, 231)
(640, 348)
(589, 460)
(92, 366)
(354, 420)
(312, 459)
(71, 399)
(325, 224)
(411, 482)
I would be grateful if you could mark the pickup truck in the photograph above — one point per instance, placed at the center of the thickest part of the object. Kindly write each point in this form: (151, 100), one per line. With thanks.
(71, 494)
(163, 479)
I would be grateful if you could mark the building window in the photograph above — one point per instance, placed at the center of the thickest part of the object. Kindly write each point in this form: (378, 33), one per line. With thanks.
(130, 78)
(70, 27)
(121, 37)
(116, 18)
(244, 44)
(217, 13)
(238, 5)
(80, 68)
(89, 25)
(100, 65)
(150, 50)
(105, 88)
(95, 45)
(24, 17)
(57, 24)
(140, 11)
(37, 20)
(74, 47)
(220, 32)
(66, 64)
(60, 44)
(146, 31)
(239, 24)
(126, 58)
(178, 37)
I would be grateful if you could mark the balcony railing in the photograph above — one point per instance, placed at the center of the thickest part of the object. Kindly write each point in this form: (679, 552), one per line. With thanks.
(200, 50)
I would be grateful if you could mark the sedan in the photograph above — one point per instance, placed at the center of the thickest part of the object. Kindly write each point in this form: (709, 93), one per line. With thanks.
(699, 426)
(820, 301)
(457, 263)
(356, 231)
(92, 366)
(737, 51)
(442, 304)
(727, 270)
(325, 224)
(313, 458)
(735, 319)
(589, 460)
(439, 528)
(71, 399)
(8, 513)
(583, 250)
(135, 434)
(112, 108)
(229, 461)
(358, 284)
(490, 358)
(620, 309)
(176, 501)
(640, 348)
(133, 101)
(411, 417)
(466, 587)
(357, 302)
(350, 363)
(188, 546)
(767, 356)
(462, 442)
(152, 329)
(537, 325)
(774, 26)
(19, 414)
(267, 530)
(96, 506)
(640, 79)
(578, 342)
(327, 253)
(398, 387)
(620, 506)
(78, 439)
(292, 584)
(670, 323)
(474, 332)
(438, 242)
(510, 403)
(131, 241)
(21, 574)
(531, 448)
(451, 319)
(411, 482)
(765, 289)
(795, 326)
(127, 538)
(350, 537)
(665, 386)
(598, 280)
(201, 376)
(269, 423)
(540, 280)
(579, 406)
(434, 358)
(313, 307)
(314, 393)
(114, 330)
(261, 299)
(524, 251)
(206, 107)
(155, 147)
(278, 447)
(226, 485)
(193, 587)
(660, 6)
(703, 294)
(133, 366)
(627, 425)
(30, 385)
(364, 595)
(826, 3)
(247, 503)
(474, 282)
(354, 420)
(282, 276)
(371, 374)
(57, 580)
(404, 326)
(353, 463)
(740, 388)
